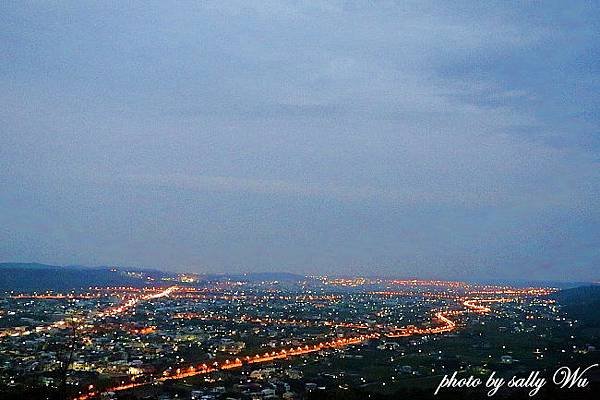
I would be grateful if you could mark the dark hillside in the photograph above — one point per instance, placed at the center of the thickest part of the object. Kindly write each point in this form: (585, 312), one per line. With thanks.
(33, 276)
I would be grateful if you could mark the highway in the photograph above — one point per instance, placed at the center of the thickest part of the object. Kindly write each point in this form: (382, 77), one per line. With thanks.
(443, 317)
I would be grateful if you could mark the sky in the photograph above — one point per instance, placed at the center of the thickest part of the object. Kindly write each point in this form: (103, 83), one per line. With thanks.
(405, 139)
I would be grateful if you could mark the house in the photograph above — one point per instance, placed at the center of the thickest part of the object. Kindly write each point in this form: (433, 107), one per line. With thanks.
(506, 359)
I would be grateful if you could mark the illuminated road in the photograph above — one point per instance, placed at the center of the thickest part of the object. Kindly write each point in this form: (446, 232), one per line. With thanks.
(447, 325)
(475, 304)
(443, 321)
(108, 312)
(181, 373)
(466, 299)
(129, 303)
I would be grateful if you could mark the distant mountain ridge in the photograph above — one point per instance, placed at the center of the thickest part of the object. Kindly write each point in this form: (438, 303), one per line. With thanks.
(36, 276)
(39, 277)
(34, 266)
(256, 276)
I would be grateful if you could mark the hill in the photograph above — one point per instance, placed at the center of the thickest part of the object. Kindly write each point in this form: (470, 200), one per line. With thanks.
(581, 303)
(34, 276)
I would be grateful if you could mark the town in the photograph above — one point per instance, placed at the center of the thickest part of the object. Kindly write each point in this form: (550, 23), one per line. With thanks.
(184, 337)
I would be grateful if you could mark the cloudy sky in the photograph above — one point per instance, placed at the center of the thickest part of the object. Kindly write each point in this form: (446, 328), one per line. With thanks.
(380, 138)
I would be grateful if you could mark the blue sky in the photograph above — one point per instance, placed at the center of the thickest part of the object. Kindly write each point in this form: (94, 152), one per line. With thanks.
(386, 138)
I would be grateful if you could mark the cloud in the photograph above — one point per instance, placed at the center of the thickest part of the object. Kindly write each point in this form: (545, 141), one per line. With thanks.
(471, 126)
(408, 196)
(418, 195)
